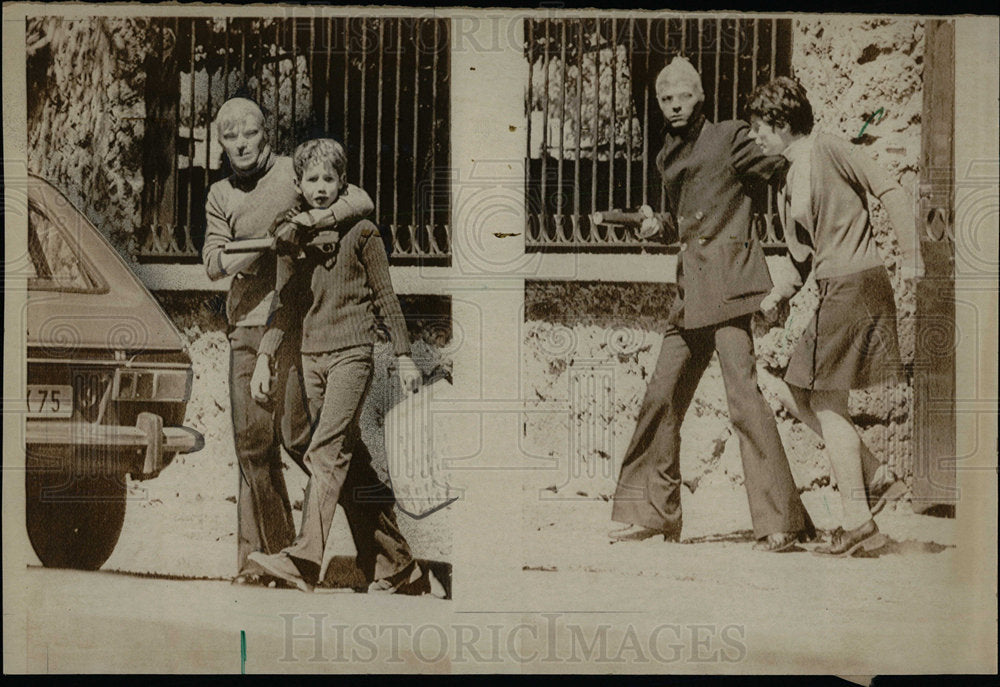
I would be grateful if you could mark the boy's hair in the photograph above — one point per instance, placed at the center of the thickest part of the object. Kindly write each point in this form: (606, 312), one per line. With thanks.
(320, 149)
(782, 101)
(235, 111)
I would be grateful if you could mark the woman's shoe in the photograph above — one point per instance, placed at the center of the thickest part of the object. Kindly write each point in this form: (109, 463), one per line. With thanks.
(848, 542)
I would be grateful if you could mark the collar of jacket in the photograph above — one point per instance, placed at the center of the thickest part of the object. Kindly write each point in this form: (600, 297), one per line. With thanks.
(688, 134)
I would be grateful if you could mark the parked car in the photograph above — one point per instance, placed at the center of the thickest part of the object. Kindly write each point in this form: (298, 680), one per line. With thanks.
(108, 380)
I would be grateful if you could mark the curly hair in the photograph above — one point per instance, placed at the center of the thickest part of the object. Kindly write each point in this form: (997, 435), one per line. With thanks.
(782, 101)
(324, 150)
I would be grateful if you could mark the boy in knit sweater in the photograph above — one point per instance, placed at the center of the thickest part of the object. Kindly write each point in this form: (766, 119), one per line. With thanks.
(337, 292)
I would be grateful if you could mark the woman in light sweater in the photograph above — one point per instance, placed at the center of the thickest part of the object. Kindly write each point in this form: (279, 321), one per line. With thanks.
(851, 342)
(245, 206)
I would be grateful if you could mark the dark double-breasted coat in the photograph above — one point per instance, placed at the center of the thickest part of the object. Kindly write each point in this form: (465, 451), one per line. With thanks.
(708, 173)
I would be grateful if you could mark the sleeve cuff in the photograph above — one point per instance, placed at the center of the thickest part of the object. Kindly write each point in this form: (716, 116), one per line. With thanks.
(270, 343)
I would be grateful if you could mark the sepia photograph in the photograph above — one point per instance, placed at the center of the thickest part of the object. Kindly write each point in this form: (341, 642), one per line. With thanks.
(413, 340)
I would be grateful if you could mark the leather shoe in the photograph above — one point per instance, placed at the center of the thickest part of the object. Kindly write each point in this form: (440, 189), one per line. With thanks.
(777, 542)
(281, 565)
(848, 542)
(640, 533)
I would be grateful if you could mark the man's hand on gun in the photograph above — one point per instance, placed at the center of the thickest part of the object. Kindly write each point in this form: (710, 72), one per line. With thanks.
(643, 221)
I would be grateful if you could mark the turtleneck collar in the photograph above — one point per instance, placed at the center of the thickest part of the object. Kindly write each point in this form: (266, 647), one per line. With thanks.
(691, 131)
(264, 162)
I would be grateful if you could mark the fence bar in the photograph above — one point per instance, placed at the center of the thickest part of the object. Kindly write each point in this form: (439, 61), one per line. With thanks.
(295, 74)
(190, 165)
(577, 236)
(395, 129)
(434, 109)
(562, 128)
(631, 152)
(595, 130)
(528, 110)
(736, 65)
(544, 218)
(415, 221)
(225, 64)
(346, 91)
(614, 111)
(378, 125)
(208, 105)
(362, 124)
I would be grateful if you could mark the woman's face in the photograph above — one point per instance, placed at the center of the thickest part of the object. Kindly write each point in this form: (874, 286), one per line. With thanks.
(772, 141)
(243, 143)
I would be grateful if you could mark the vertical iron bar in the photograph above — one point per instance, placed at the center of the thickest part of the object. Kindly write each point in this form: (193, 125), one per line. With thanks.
(529, 109)
(277, 83)
(225, 65)
(614, 111)
(579, 133)
(631, 151)
(701, 43)
(544, 216)
(363, 130)
(346, 89)
(378, 126)
(295, 77)
(326, 78)
(562, 127)
(596, 121)
(736, 67)
(208, 103)
(190, 184)
(395, 130)
(416, 130)
(666, 41)
(260, 66)
(718, 60)
(432, 198)
(645, 125)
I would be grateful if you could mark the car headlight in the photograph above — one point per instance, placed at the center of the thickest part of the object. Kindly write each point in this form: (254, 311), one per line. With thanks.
(152, 385)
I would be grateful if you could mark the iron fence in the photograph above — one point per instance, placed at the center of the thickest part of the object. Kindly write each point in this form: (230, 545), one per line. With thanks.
(594, 127)
(378, 85)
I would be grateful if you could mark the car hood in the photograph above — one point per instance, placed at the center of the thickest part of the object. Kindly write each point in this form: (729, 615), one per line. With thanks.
(116, 320)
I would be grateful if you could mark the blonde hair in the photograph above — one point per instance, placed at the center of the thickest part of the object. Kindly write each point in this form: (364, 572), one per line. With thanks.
(325, 150)
(680, 71)
(234, 112)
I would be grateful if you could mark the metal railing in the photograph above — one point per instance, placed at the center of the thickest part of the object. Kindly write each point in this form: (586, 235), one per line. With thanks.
(594, 127)
(378, 85)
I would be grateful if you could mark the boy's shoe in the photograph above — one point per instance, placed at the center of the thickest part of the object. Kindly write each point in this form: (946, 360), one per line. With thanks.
(640, 533)
(280, 565)
(411, 580)
(848, 542)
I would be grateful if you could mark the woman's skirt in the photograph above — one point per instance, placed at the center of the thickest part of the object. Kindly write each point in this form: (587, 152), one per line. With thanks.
(851, 342)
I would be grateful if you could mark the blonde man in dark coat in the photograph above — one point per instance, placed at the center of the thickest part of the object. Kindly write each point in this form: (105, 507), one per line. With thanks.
(708, 170)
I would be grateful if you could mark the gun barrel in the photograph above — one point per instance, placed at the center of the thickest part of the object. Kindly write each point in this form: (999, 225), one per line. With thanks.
(627, 218)
(249, 246)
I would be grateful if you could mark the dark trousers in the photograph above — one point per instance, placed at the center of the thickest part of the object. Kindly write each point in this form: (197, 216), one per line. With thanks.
(341, 471)
(649, 485)
(264, 515)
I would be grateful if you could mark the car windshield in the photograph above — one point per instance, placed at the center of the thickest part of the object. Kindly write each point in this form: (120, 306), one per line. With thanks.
(56, 263)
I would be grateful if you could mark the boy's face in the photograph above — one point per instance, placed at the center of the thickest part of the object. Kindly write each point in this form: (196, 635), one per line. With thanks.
(320, 184)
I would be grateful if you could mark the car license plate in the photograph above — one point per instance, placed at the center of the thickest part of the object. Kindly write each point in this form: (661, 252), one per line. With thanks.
(50, 400)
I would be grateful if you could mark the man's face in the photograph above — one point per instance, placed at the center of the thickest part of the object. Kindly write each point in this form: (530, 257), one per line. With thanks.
(678, 103)
(772, 141)
(320, 184)
(243, 143)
